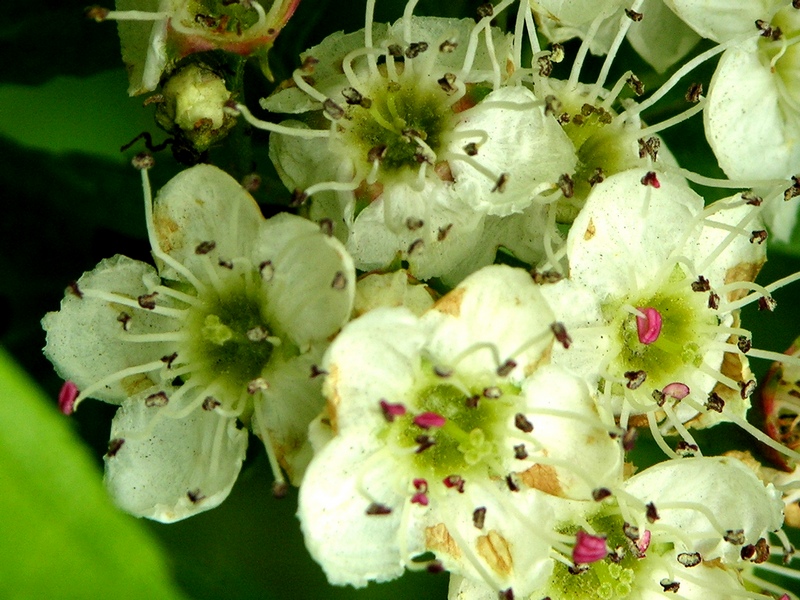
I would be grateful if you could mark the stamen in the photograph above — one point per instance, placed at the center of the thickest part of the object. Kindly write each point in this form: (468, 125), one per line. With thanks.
(589, 548)
(67, 396)
(116, 377)
(648, 326)
(282, 129)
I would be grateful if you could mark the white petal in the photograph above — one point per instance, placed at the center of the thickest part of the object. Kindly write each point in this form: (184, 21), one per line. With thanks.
(168, 469)
(300, 162)
(377, 290)
(84, 338)
(522, 143)
(719, 486)
(351, 546)
(754, 132)
(311, 285)
(497, 306)
(627, 231)
(661, 38)
(204, 204)
(144, 46)
(721, 20)
(375, 357)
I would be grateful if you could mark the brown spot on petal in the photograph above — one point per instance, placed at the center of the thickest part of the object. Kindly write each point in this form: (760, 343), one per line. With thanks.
(590, 231)
(438, 539)
(450, 304)
(544, 478)
(134, 384)
(166, 228)
(496, 551)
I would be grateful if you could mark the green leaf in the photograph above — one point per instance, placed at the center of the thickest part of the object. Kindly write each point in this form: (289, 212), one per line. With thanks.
(61, 537)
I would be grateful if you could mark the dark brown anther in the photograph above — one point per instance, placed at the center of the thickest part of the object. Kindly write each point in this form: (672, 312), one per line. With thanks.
(125, 319)
(596, 177)
(446, 83)
(566, 185)
(651, 513)
(557, 53)
(617, 555)
(635, 379)
(505, 369)
(758, 237)
(649, 147)
(113, 446)
(744, 344)
(267, 270)
(416, 246)
(156, 400)
(751, 198)
(448, 46)
(326, 227)
(651, 178)
(280, 489)
(767, 31)
(441, 235)
(793, 191)
(578, 120)
(454, 482)
(377, 509)
(472, 401)
(600, 494)
(257, 385)
(512, 483)
(485, 10)
(205, 247)
(735, 537)
(636, 84)
(713, 300)
(415, 49)
(767, 303)
(715, 402)
(434, 566)
(168, 360)
(669, 586)
(577, 569)
(210, 403)
(545, 66)
(72, 288)
(333, 110)
(520, 453)
(630, 531)
(552, 105)
(605, 117)
(746, 388)
(762, 551)
(694, 92)
(561, 335)
(500, 184)
(317, 372)
(299, 197)
(690, 559)
(563, 118)
(587, 109)
(633, 15)
(660, 397)
(684, 448)
(352, 96)
(143, 161)
(542, 277)
(195, 496)
(492, 392)
(147, 301)
(522, 423)
(425, 442)
(96, 13)
(796, 4)
(479, 517)
(701, 285)
(747, 552)
(505, 594)
(339, 281)
(471, 149)
(413, 223)
(629, 438)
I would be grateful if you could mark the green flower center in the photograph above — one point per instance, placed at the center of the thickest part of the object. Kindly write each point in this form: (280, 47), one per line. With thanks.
(469, 441)
(782, 55)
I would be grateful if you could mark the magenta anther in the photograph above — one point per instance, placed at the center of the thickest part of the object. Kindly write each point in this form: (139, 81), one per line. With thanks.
(649, 326)
(588, 548)
(66, 397)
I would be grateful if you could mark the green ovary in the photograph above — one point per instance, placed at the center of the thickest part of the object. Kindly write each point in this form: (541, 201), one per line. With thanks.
(687, 329)
(470, 440)
(396, 110)
(219, 340)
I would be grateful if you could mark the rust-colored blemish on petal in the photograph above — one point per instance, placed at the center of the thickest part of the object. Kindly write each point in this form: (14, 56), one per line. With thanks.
(135, 384)
(544, 358)
(165, 228)
(640, 420)
(544, 478)
(450, 304)
(590, 231)
(438, 539)
(331, 391)
(496, 551)
(744, 271)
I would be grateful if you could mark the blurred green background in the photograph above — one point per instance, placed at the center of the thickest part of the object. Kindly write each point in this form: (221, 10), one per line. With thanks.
(69, 199)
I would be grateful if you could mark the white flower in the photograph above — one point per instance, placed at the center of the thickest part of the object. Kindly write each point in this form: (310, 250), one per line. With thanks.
(665, 274)
(693, 527)
(156, 34)
(215, 338)
(440, 425)
(376, 290)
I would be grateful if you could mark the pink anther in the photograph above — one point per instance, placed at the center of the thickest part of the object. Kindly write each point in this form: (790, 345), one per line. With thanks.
(427, 420)
(649, 326)
(676, 390)
(644, 542)
(588, 548)
(391, 411)
(66, 397)
(421, 495)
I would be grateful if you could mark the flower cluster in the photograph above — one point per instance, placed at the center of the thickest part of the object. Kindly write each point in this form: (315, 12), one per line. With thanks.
(499, 277)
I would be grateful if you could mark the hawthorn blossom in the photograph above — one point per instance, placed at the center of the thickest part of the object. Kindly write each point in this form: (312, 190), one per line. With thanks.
(449, 435)
(419, 149)
(694, 527)
(211, 341)
(156, 34)
(651, 300)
